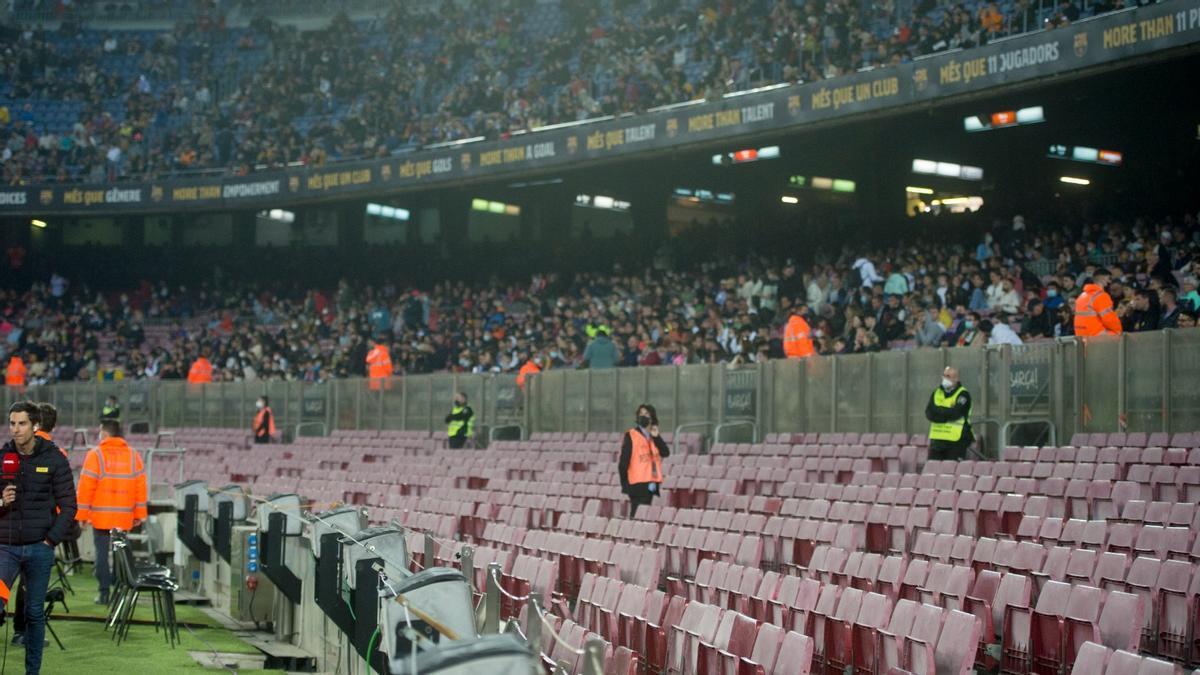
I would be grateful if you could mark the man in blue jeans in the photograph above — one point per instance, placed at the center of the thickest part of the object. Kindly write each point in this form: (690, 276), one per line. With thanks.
(37, 505)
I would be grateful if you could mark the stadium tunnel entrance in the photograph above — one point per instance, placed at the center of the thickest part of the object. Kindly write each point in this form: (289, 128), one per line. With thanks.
(1110, 146)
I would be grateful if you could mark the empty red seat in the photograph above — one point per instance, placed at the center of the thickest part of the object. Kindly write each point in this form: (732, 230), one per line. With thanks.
(836, 630)
(733, 640)
(873, 614)
(698, 624)
(955, 653)
(1120, 624)
(1092, 660)
(766, 651)
(921, 642)
(795, 655)
(1081, 621)
(1142, 580)
(821, 614)
(1172, 608)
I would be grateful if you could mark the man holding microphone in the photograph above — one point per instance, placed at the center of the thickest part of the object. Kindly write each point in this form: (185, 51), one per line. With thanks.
(37, 505)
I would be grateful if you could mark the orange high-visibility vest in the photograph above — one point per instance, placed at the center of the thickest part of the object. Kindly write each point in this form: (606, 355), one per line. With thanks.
(379, 366)
(42, 434)
(112, 486)
(14, 376)
(258, 421)
(1094, 313)
(645, 464)
(200, 372)
(530, 368)
(797, 340)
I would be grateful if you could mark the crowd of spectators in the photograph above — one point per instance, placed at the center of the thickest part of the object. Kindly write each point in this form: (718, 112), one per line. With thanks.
(204, 96)
(1018, 284)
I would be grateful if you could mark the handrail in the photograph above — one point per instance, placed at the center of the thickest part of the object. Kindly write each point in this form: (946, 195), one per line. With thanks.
(982, 442)
(323, 426)
(1037, 420)
(592, 651)
(691, 425)
(548, 625)
(736, 423)
(165, 434)
(500, 587)
(513, 425)
(181, 452)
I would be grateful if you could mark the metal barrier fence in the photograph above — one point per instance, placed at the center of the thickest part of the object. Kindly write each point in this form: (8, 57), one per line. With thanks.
(1139, 382)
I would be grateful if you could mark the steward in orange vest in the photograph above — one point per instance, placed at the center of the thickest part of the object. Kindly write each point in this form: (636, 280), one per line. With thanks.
(379, 365)
(14, 375)
(640, 463)
(112, 494)
(112, 485)
(1094, 313)
(530, 367)
(264, 421)
(797, 337)
(201, 371)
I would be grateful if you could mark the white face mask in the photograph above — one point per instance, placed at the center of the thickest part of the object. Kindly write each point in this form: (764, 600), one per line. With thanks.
(947, 383)
(258, 404)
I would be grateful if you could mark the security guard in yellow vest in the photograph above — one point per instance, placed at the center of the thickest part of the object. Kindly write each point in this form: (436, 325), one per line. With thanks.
(949, 414)
(460, 423)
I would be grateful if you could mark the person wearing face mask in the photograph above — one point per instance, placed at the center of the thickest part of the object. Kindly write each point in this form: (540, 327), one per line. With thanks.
(460, 423)
(1054, 299)
(967, 333)
(529, 368)
(264, 420)
(949, 415)
(640, 462)
(111, 409)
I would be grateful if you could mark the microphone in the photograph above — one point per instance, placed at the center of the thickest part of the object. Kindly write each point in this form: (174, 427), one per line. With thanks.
(8, 468)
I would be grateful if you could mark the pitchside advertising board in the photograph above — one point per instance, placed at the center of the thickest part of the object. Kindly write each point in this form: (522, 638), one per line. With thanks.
(1089, 43)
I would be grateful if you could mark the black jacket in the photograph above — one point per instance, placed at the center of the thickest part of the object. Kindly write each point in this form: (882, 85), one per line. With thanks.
(44, 484)
(961, 410)
(463, 416)
(627, 454)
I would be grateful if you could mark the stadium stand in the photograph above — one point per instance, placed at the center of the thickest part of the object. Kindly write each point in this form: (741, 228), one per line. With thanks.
(86, 104)
(792, 536)
(1027, 279)
(765, 557)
